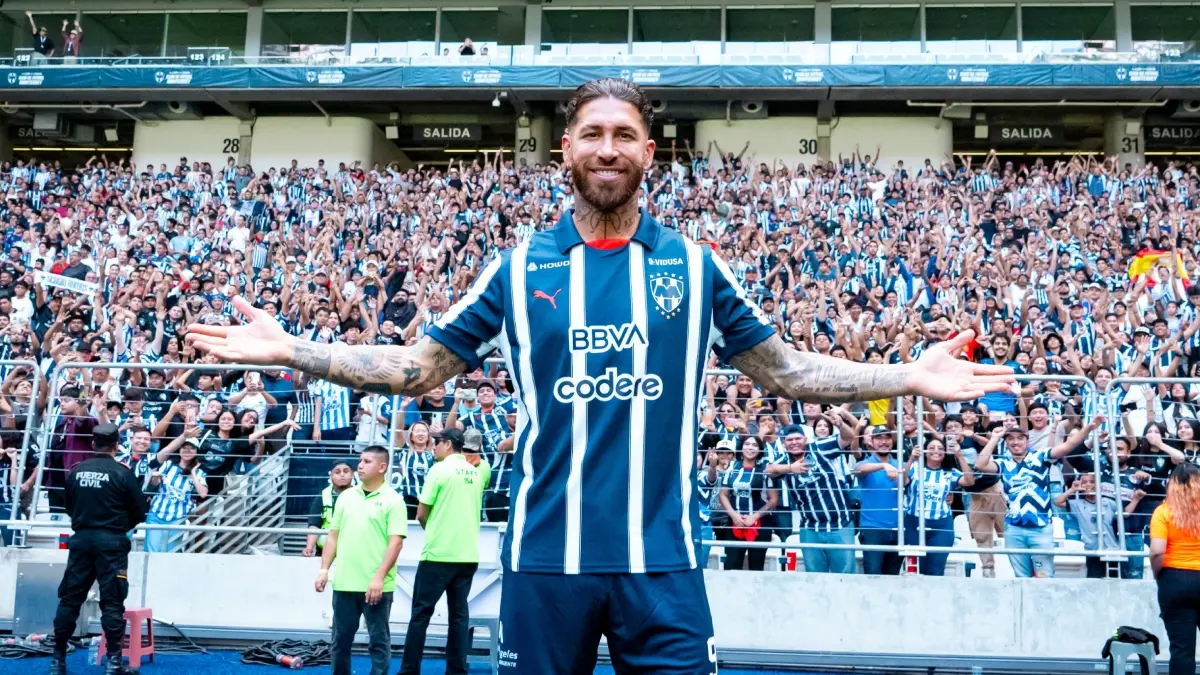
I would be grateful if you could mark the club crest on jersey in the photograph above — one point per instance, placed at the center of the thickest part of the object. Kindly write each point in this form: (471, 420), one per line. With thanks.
(667, 290)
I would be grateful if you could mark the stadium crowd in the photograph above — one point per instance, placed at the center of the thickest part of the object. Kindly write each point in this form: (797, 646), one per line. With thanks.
(861, 258)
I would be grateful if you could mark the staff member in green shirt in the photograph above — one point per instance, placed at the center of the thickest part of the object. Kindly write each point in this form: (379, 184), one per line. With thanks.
(341, 477)
(451, 503)
(369, 525)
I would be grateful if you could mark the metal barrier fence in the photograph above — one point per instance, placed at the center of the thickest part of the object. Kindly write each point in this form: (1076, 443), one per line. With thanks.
(8, 366)
(920, 409)
(1112, 408)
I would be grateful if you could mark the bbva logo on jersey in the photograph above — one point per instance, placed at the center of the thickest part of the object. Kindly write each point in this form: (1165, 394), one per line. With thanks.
(667, 290)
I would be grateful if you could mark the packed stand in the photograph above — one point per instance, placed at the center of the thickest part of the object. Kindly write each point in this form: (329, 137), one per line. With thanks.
(109, 263)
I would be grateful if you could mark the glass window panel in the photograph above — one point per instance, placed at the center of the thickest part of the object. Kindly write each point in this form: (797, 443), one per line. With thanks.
(206, 29)
(389, 27)
(387, 34)
(971, 23)
(677, 25)
(599, 26)
(1068, 23)
(782, 24)
(504, 26)
(117, 35)
(15, 35)
(875, 24)
(1175, 23)
(301, 33)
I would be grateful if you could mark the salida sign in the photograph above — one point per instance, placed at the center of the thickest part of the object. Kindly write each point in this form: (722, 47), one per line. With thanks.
(1026, 134)
(1172, 136)
(447, 133)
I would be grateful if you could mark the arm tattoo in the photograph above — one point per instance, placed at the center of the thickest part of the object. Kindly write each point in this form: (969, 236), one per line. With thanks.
(312, 358)
(817, 378)
(409, 371)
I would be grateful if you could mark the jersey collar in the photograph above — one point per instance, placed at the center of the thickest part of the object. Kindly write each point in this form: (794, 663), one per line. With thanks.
(567, 237)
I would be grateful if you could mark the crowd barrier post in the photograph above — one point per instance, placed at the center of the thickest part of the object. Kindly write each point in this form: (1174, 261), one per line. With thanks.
(899, 420)
(47, 433)
(919, 414)
(30, 422)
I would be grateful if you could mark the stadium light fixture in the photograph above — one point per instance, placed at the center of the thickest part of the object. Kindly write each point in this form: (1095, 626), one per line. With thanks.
(496, 101)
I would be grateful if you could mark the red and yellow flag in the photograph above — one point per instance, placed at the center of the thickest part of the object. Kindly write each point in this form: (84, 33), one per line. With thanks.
(1147, 259)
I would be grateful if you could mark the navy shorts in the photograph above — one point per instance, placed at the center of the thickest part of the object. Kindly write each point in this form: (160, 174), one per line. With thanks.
(550, 624)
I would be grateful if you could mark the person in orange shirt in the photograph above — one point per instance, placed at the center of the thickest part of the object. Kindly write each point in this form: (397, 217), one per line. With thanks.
(1175, 560)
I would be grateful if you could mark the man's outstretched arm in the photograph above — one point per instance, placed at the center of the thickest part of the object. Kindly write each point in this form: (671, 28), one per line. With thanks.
(407, 371)
(817, 378)
(380, 369)
(806, 376)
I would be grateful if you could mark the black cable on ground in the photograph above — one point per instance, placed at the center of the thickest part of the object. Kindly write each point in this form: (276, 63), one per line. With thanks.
(190, 648)
(290, 653)
(21, 648)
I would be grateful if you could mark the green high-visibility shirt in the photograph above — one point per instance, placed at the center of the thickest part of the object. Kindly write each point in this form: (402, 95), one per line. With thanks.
(453, 492)
(364, 522)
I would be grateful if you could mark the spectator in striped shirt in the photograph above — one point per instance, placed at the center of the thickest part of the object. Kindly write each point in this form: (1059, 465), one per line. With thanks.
(331, 405)
(930, 489)
(178, 483)
(708, 483)
(818, 489)
(411, 464)
(748, 494)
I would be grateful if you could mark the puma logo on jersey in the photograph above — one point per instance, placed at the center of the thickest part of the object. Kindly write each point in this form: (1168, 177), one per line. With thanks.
(541, 295)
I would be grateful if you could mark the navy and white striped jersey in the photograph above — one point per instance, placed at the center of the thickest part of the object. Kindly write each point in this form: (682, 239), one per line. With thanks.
(175, 497)
(335, 404)
(820, 495)
(929, 490)
(747, 486)
(408, 471)
(607, 349)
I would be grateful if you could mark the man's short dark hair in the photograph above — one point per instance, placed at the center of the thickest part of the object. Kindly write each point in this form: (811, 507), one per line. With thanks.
(378, 451)
(610, 87)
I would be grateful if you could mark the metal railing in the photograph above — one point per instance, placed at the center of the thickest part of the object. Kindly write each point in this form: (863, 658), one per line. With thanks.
(31, 421)
(251, 514)
(1112, 411)
(256, 499)
(816, 54)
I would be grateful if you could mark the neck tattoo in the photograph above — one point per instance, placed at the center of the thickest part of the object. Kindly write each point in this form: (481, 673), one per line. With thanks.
(619, 223)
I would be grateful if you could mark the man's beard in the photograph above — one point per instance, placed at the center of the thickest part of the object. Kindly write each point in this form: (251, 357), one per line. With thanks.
(607, 196)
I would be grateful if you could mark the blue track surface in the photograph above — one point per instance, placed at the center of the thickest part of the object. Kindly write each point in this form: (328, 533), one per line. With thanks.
(229, 663)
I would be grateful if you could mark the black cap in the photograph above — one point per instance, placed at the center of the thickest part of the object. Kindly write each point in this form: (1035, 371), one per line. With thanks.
(455, 436)
(105, 436)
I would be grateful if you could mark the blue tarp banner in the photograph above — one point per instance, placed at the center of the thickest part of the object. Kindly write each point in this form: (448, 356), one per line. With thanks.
(567, 77)
(802, 76)
(968, 76)
(509, 76)
(646, 76)
(50, 78)
(1105, 75)
(143, 77)
(353, 77)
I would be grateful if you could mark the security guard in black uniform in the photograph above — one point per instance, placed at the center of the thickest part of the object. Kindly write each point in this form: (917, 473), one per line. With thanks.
(105, 502)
